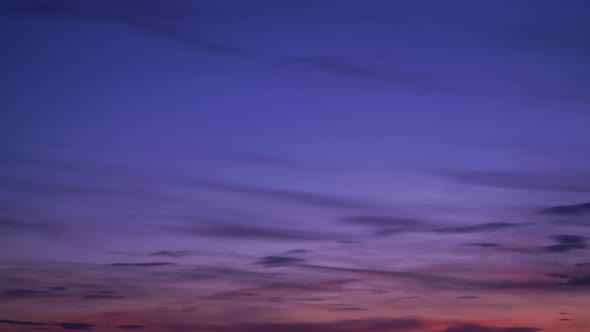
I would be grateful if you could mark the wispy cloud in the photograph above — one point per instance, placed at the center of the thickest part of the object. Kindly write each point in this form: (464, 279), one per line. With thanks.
(16, 225)
(482, 244)
(520, 181)
(101, 295)
(479, 228)
(482, 328)
(147, 17)
(406, 78)
(321, 200)
(373, 324)
(161, 253)
(25, 293)
(567, 243)
(274, 261)
(63, 325)
(146, 264)
(249, 232)
(573, 210)
(130, 327)
(382, 221)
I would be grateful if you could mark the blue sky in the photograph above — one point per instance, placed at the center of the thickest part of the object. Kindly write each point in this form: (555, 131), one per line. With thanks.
(295, 165)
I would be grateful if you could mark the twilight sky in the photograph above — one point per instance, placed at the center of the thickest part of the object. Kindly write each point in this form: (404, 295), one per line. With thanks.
(295, 165)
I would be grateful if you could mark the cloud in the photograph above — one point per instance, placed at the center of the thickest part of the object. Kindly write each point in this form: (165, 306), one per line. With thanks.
(482, 244)
(281, 290)
(578, 281)
(161, 253)
(353, 69)
(148, 264)
(350, 309)
(181, 35)
(564, 38)
(249, 158)
(371, 324)
(101, 295)
(173, 253)
(519, 181)
(274, 261)
(292, 196)
(72, 188)
(63, 325)
(558, 275)
(481, 328)
(17, 225)
(458, 283)
(467, 297)
(486, 227)
(153, 21)
(380, 221)
(567, 243)
(298, 251)
(223, 273)
(130, 327)
(25, 293)
(76, 326)
(17, 322)
(246, 232)
(567, 210)
(392, 225)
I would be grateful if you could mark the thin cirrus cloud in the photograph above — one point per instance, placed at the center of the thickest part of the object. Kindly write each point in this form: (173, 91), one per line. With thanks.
(564, 38)
(285, 291)
(149, 17)
(12, 225)
(482, 244)
(368, 324)
(161, 253)
(519, 181)
(25, 293)
(146, 264)
(567, 243)
(381, 221)
(479, 228)
(101, 295)
(581, 281)
(306, 198)
(62, 325)
(275, 261)
(432, 281)
(50, 188)
(251, 232)
(573, 210)
(392, 225)
(483, 328)
(347, 68)
(298, 251)
(32, 325)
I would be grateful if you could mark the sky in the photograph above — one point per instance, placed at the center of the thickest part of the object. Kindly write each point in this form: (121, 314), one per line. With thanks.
(295, 165)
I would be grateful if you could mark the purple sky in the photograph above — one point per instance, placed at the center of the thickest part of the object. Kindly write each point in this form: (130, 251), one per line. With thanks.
(295, 165)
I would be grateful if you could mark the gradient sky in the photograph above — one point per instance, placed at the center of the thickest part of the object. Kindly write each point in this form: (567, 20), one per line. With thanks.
(295, 165)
